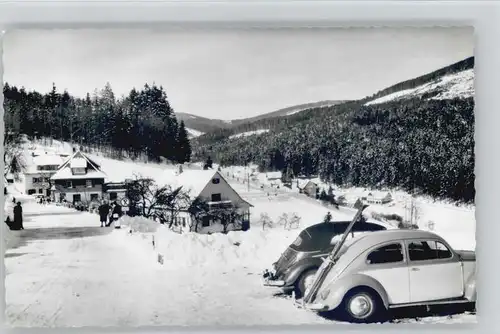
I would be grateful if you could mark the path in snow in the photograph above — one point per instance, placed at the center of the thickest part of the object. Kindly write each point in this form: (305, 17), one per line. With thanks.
(67, 271)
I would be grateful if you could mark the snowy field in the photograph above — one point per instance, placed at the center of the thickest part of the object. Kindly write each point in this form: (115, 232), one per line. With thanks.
(64, 270)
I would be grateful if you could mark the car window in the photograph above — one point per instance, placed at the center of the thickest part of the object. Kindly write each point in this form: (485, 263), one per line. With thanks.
(428, 250)
(391, 253)
(297, 241)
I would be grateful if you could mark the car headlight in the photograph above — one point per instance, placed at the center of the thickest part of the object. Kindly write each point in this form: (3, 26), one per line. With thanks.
(324, 294)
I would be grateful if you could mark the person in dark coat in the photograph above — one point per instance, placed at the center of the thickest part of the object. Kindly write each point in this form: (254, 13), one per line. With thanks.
(18, 216)
(116, 213)
(103, 212)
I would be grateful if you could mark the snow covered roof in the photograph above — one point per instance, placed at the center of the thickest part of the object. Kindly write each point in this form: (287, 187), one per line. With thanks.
(64, 171)
(192, 180)
(273, 175)
(78, 163)
(65, 174)
(47, 159)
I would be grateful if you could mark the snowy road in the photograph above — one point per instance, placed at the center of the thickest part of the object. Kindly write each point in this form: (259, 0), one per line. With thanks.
(66, 271)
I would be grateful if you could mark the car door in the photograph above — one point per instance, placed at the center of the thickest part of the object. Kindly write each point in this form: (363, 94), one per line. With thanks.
(435, 271)
(387, 264)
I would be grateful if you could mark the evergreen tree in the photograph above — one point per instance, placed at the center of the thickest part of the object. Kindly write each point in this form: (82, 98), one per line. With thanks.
(183, 153)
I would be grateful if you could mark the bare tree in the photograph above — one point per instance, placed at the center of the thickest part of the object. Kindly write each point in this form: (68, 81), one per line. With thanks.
(152, 199)
(199, 209)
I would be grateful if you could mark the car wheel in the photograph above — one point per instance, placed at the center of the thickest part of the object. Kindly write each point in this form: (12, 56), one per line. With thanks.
(362, 306)
(305, 281)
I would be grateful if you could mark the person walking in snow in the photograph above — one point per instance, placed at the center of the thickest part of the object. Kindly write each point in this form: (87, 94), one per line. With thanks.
(103, 212)
(18, 217)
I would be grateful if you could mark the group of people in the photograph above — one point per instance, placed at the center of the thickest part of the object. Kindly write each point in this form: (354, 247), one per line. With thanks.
(109, 212)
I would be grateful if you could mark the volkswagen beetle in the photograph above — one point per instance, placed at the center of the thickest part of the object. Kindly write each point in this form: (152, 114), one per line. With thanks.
(395, 268)
(297, 266)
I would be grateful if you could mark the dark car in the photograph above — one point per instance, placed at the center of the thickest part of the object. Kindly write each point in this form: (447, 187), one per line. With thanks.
(295, 269)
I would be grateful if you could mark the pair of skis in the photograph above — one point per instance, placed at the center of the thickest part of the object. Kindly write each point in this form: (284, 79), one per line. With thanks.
(324, 269)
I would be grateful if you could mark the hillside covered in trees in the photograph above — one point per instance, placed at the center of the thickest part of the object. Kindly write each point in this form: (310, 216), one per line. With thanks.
(141, 123)
(418, 144)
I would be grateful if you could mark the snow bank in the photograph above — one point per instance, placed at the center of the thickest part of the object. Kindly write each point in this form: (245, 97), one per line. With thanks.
(252, 249)
(10, 238)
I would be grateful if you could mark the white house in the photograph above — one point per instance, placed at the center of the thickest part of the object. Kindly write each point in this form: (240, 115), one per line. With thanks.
(211, 187)
(78, 179)
(37, 175)
(377, 198)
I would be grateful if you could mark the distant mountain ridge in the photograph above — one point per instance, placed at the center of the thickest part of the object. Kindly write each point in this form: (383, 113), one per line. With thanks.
(205, 125)
(410, 135)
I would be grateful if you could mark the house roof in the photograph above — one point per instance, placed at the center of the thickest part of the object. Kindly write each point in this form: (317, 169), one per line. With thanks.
(78, 163)
(273, 175)
(64, 171)
(194, 180)
(47, 159)
(65, 174)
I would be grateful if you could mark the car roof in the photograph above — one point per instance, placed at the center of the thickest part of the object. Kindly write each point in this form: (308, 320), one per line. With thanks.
(362, 243)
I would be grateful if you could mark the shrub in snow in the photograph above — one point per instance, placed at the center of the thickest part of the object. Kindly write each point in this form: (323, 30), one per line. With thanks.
(139, 224)
(266, 221)
(294, 222)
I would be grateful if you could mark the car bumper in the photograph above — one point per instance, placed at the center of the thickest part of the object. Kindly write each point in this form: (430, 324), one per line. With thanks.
(316, 307)
(269, 279)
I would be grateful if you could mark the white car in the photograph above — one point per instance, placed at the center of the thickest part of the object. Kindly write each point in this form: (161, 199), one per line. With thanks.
(395, 268)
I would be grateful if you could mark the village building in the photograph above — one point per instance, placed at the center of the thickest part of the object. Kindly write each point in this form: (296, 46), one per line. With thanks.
(210, 187)
(78, 179)
(38, 173)
(115, 191)
(377, 198)
(309, 188)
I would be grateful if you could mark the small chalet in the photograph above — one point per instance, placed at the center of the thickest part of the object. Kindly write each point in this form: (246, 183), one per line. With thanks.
(211, 187)
(38, 174)
(310, 188)
(273, 176)
(78, 179)
(377, 198)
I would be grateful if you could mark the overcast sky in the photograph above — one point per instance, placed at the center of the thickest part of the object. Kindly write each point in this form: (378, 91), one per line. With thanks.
(231, 74)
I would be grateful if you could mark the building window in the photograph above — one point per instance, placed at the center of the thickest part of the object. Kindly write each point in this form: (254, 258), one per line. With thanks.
(216, 180)
(77, 198)
(88, 183)
(113, 196)
(78, 171)
(205, 222)
(94, 197)
(31, 191)
(216, 197)
(40, 191)
(36, 180)
(69, 184)
(386, 254)
(428, 250)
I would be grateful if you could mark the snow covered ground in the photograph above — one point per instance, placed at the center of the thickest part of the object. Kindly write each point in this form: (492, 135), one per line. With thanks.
(249, 133)
(193, 133)
(459, 84)
(64, 270)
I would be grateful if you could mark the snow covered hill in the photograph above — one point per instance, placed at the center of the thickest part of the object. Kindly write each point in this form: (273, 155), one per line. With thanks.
(249, 133)
(193, 133)
(457, 85)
